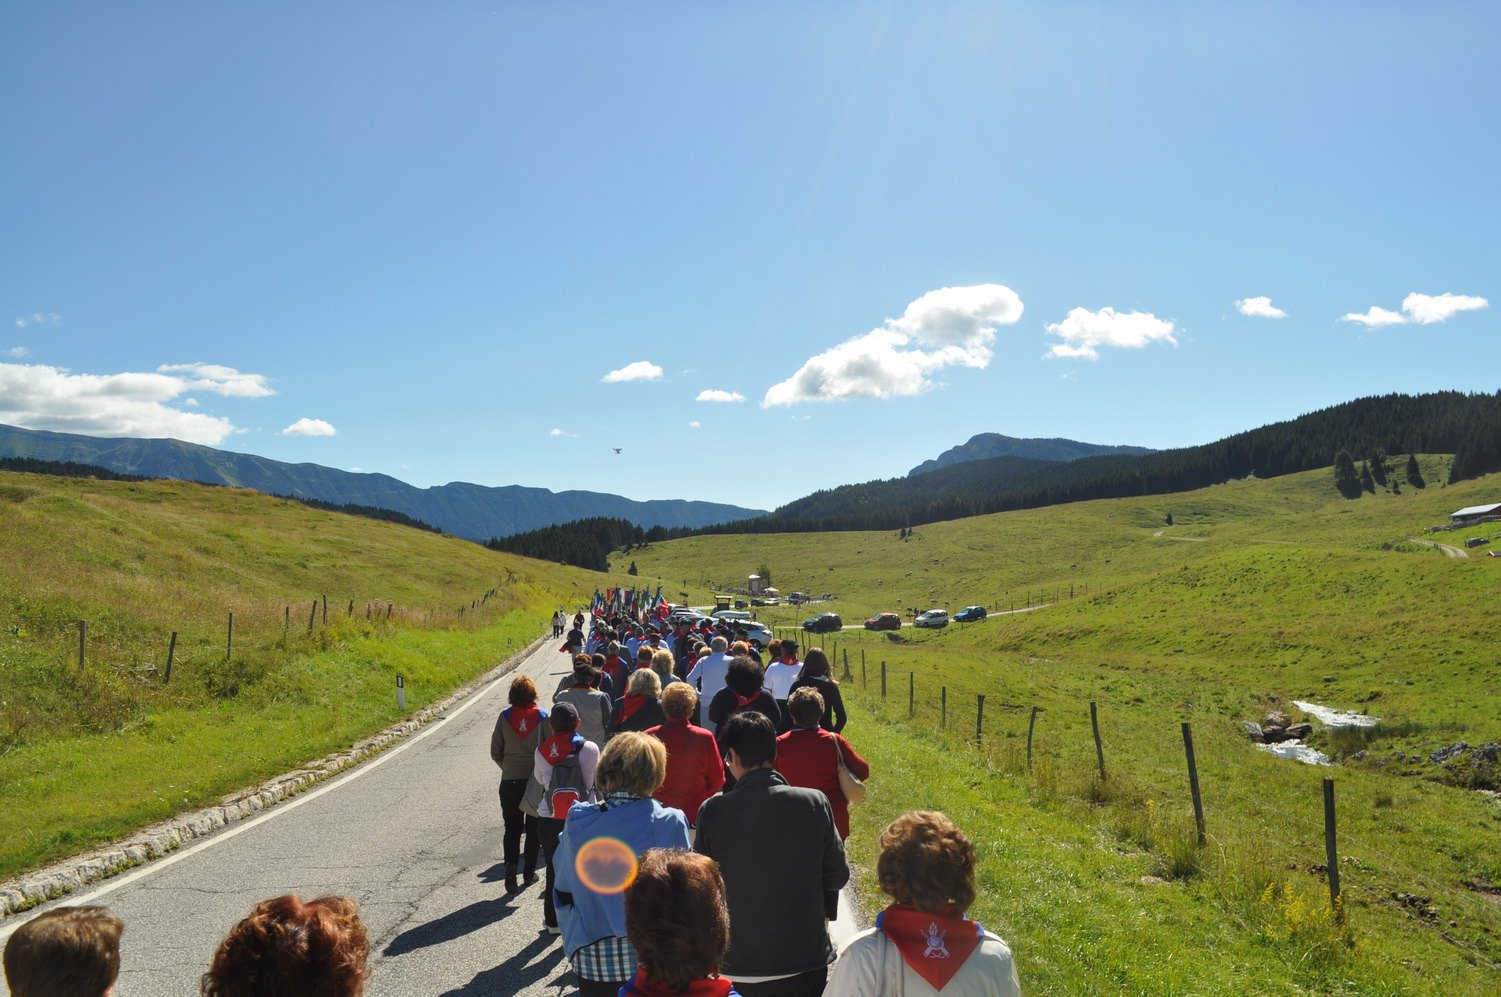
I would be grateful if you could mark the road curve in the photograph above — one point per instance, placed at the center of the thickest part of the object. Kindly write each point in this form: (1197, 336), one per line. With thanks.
(1449, 549)
(413, 835)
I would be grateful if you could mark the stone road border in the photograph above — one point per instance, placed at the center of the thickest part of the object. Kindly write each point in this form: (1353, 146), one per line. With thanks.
(60, 879)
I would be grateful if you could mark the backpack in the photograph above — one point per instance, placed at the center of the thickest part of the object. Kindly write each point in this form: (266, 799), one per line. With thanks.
(566, 786)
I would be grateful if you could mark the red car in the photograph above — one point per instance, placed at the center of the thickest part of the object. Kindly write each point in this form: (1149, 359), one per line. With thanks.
(884, 621)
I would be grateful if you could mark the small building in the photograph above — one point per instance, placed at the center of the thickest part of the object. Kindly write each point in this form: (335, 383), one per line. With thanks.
(755, 584)
(1475, 514)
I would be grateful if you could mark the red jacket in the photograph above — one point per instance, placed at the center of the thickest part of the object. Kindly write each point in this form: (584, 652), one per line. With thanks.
(694, 769)
(808, 758)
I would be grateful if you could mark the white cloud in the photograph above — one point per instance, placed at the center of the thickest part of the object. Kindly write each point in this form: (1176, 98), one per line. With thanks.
(309, 427)
(559, 432)
(18, 352)
(191, 402)
(1426, 309)
(801, 418)
(220, 380)
(1083, 332)
(129, 404)
(641, 370)
(38, 318)
(1422, 309)
(1375, 317)
(952, 326)
(357, 470)
(719, 395)
(1261, 307)
(695, 424)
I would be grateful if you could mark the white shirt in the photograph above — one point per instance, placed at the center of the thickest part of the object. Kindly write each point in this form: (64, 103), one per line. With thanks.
(871, 966)
(708, 676)
(779, 679)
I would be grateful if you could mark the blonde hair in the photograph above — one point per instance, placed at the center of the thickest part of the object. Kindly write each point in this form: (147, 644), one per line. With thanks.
(644, 682)
(679, 701)
(632, 762)
(662, 663)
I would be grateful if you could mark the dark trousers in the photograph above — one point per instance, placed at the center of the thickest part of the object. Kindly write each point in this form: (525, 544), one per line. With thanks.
(597, 988)
(519, 826)
(549, 830)
(809, 984)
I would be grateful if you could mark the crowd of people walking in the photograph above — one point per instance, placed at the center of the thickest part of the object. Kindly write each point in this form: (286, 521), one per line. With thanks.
(687, 806)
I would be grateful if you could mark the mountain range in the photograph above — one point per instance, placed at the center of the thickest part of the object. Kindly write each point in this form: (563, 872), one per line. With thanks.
(983, 446)
(474, 512)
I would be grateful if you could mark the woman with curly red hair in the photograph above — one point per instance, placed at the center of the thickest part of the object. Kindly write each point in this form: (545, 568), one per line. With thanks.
(286, 946)
(923, 943)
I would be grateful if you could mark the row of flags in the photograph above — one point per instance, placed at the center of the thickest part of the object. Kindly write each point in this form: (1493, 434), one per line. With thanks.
(637, 604)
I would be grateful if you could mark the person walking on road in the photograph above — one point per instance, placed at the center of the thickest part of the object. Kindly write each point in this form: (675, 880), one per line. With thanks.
(641, 705)
(923, 944)
(592, 706)
(708, 676)
(809, 756)
(695, 771)
(744, 691)
(593, 867)
(817, 674)
(676, 919)
(779, 939)
(513, 745)
(563, 773)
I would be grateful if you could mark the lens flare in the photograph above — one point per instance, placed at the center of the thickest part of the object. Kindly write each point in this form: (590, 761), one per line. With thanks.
(606, 865)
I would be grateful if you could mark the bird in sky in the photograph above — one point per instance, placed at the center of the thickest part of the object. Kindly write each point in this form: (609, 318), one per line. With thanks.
(618, 449)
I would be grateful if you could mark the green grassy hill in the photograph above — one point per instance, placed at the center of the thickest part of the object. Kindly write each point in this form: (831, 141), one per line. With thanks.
(1260, 593)
(87, 755)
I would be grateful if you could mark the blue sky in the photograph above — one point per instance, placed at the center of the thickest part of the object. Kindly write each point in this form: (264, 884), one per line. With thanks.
(422, 236)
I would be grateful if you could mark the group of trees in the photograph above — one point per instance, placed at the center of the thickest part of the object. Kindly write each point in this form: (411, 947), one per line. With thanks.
(583, 543)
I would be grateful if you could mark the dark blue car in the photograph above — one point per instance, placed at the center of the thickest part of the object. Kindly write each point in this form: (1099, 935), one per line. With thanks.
(970, 614)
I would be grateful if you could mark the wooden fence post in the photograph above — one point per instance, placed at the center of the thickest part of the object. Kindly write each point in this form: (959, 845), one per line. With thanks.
(1193, 780)
(979, 717)
(171, 653)
(1331, 851)
(83, 639)
(1031, 726)
(1099, 749)
(862, 667)
(351, 608)
(229, 638)
(325, 610)
(286, 621)
(911, 694)
(883, 680)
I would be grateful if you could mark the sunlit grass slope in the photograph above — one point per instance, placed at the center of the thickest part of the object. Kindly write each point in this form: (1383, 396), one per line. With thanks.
(89, 754)
(1260, 589)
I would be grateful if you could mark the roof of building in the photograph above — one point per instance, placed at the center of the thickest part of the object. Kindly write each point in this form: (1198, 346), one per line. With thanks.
(1477, 510)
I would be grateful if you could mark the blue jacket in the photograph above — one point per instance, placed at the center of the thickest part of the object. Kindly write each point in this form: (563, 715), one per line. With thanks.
(641, 824)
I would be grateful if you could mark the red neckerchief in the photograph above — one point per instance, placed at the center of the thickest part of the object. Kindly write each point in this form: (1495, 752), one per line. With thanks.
(934, 945)
(629, 705)
(557, 747)
(523, 719)
(612, 665)
(744, 701)
(790, 659)
(709, 986)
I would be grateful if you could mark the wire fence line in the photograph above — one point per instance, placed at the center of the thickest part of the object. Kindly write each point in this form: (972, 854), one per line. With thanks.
(993, 729)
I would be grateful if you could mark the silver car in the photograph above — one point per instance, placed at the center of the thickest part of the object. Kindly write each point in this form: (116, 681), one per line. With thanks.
(933, 619)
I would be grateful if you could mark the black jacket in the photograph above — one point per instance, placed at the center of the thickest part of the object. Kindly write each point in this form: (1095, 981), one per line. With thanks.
(774, 881)
(834, 717)
(726, 703)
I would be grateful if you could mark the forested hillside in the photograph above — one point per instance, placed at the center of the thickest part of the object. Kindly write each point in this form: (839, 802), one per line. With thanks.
(1468, 426)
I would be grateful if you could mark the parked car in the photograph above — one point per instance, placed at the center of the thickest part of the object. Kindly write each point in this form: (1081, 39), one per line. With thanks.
(797, 598)
(933, 619)
(731, 614)
(969, 614)
(884, 621)
(1476, 542)
(751, 632)
(823, 623)
(766, 600)
(685, 615)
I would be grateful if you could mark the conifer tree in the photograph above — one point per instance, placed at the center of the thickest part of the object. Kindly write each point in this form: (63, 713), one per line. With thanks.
(1415, 473)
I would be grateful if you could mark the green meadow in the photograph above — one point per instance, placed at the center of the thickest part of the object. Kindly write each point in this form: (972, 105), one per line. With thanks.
(1259, 593)
(90, 754)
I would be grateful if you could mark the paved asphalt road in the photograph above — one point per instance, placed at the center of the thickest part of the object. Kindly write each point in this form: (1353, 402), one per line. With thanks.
(413, 836)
